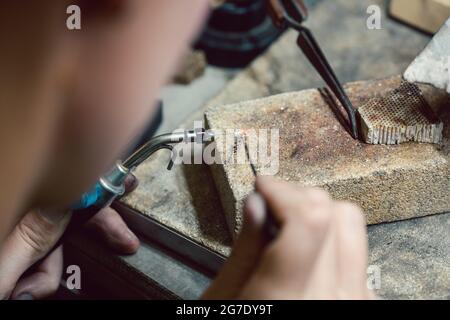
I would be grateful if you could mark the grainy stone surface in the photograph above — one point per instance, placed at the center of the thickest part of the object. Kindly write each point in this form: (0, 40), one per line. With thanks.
(413, 257)
(389, 182)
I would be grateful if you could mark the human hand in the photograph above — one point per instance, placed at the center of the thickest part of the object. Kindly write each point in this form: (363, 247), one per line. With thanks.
(28, 270)
(319, 253)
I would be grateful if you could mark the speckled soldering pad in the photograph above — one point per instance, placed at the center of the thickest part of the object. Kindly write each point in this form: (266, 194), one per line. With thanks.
(390, 182)
(402, 115)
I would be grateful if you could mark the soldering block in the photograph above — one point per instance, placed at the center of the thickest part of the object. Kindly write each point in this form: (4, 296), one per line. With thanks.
(390, 182)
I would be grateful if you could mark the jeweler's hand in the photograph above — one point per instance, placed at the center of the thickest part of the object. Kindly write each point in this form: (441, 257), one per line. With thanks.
(23, 275)
(319, 253)
(110, 228)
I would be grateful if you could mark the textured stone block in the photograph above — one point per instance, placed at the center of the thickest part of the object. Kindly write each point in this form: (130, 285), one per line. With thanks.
(390, 182)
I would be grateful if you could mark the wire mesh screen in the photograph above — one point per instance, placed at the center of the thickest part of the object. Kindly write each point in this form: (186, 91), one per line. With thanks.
(400, 116)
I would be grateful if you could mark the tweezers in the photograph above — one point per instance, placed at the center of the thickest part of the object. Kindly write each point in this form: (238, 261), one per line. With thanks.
(292, 13)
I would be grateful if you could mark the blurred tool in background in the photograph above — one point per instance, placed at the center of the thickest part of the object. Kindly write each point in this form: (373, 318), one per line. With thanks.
(425, 15)
(236, 32)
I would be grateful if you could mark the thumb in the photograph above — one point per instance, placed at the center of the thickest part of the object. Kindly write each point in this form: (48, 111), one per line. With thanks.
(32, 238)
(43, 281)
(246, 252)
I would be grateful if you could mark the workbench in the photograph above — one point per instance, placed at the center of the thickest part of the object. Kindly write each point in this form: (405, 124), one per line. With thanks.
(413, 255)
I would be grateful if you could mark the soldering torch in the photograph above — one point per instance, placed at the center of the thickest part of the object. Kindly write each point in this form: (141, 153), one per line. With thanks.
(112, 185)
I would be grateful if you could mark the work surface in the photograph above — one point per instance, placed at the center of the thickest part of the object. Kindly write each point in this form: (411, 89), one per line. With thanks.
(412, 255)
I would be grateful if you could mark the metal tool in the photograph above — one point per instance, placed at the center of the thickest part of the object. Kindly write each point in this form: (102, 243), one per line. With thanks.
(292, 13)
(236, 32)
(271, 226)
(111, 185)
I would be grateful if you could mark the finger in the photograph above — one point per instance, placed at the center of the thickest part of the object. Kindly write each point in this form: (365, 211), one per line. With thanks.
(288, 201)
(322, 280)
(306, 213)
(246, 253)
(352, 250)
(45, 281)
(109, 226)
(34, 236)
(286, 265)
(131, 183)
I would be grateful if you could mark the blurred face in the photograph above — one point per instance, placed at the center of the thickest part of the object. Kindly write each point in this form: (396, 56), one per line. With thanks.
(107, 76)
